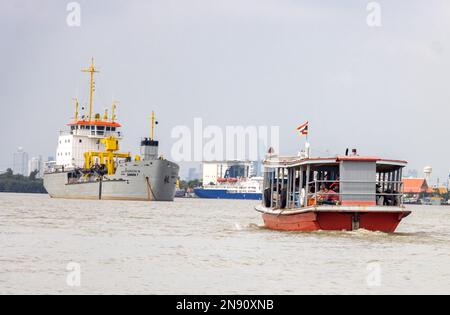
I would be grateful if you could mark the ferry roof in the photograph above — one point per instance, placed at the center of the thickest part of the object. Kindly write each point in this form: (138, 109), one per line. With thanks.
(280, 161)
(95, 123)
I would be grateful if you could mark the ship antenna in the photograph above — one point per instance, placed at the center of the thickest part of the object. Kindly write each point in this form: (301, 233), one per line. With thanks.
(91, 70)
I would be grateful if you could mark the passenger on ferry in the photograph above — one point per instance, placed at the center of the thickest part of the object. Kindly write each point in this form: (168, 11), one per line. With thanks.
(322, 194)
(333, 197)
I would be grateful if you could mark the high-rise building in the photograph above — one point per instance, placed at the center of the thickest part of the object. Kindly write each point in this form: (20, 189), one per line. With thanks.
(35, 164)
(20, 162)
(255, 168)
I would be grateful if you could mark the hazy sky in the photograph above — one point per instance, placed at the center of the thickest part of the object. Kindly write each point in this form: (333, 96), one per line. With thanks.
(384, 90)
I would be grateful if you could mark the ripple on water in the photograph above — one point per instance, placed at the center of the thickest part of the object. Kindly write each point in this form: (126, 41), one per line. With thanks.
(208, 246)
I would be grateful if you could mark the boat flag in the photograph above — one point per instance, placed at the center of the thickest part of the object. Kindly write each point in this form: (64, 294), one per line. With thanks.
(304, 128)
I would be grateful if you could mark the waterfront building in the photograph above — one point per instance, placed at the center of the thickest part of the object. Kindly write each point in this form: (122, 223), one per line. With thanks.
(20, 162)
(36, 164)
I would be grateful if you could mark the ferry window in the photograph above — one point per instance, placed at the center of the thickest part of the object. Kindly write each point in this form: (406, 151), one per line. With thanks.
(108, 128)
(80, 141)
(113, 128)
(100, 128)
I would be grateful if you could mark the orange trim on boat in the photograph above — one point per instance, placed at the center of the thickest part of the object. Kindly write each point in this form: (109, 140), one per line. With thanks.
(95, 123)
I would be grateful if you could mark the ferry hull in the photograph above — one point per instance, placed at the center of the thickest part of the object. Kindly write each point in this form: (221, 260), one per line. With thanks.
(344, 220)
(138, 181)
(224, 194)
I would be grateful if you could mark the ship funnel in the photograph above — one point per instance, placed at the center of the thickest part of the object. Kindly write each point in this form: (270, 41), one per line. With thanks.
(149, 149)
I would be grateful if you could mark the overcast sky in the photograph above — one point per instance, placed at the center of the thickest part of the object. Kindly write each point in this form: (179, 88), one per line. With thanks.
(384, 90)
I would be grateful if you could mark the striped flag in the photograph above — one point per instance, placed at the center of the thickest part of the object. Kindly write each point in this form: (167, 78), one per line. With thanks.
(304, 128)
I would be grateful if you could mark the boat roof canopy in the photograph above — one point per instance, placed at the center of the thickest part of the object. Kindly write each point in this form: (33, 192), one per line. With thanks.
(290, 162)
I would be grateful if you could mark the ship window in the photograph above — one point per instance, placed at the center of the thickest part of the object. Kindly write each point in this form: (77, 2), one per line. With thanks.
(108, 128)
(100, 128)
(80, 141)
(113, 128)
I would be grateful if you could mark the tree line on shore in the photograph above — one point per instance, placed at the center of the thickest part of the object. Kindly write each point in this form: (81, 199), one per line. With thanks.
(15, 183)
(186, 185)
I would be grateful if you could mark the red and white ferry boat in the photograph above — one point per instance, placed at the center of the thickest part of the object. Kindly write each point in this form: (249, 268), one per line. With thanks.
(338, 193)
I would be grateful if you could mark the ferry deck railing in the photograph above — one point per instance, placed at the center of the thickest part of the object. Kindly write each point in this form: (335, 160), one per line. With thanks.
(391, 191)
(395, 186)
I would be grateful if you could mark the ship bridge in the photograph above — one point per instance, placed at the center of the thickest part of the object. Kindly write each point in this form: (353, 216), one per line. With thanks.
(95, 129)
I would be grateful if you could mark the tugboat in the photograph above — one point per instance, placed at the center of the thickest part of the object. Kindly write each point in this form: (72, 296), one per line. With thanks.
(341, 193)
(90, 166)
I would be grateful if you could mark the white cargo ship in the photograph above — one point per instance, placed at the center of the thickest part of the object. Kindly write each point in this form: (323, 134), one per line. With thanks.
(89, 165)
(230, 180)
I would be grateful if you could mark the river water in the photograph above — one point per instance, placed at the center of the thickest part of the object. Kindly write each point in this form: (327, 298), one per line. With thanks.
(208, 247)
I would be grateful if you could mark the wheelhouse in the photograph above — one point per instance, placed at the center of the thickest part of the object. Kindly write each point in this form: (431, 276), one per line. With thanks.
(95, 129)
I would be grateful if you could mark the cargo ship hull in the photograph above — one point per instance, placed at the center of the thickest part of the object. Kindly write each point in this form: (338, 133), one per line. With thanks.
(139, 180)
(226, 194)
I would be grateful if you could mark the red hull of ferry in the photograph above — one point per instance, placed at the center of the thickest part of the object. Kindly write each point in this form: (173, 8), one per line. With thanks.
(334, 221)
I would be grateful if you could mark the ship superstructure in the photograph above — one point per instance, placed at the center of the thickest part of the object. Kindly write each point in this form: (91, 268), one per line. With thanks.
(89, 164)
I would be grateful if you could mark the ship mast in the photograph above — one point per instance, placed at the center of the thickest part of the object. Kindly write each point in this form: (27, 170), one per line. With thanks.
(152, 133)
(91, 70)
(114, 109)
(76, 108)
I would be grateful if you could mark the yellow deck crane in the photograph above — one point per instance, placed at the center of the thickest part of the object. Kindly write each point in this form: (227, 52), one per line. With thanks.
(107, 157)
